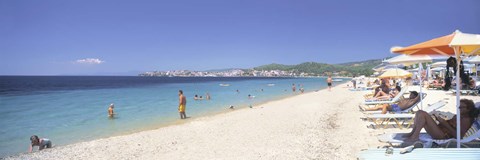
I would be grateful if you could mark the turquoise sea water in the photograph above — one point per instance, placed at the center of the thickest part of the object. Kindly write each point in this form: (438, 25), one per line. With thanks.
(73, 109)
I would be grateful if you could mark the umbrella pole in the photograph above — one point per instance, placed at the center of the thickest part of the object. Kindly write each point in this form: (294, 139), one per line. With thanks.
(457, 81)
(421, 83)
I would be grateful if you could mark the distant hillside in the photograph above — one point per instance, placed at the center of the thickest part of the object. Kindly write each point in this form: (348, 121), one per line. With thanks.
(323, 69)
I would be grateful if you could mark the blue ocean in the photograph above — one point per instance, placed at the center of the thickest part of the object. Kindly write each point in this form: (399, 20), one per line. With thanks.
(69, 109)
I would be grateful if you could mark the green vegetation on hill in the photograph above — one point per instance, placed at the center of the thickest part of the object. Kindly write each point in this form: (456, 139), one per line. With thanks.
(322, 69)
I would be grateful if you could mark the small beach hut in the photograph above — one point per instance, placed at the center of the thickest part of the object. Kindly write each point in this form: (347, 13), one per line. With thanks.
(454, 44)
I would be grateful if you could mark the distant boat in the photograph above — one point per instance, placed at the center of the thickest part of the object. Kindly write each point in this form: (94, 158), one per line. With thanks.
(271, 84)
(224, 85)
(337, 80)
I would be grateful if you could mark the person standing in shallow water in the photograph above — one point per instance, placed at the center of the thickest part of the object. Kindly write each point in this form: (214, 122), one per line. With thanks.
(207, 97)
(293, 87)
(182, 104)
(110, 111)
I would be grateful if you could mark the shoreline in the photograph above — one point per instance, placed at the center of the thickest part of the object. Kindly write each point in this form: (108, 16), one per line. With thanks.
(313, 125)
(304, 126)
(177, 122)
(206, 115)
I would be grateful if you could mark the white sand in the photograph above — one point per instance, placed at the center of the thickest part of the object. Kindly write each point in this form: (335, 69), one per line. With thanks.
(317, 125)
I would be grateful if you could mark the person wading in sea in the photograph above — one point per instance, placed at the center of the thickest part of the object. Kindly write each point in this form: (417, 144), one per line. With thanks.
(110, 111)
(182, 104)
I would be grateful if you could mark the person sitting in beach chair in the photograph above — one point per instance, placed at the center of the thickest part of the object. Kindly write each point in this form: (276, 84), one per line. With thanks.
(437, 84)
(472, 84)
(402, 104)
(384, 96)
(383, 89)
(445, 129)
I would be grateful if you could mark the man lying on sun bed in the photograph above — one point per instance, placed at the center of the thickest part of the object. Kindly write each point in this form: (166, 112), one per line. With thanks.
(402, 104)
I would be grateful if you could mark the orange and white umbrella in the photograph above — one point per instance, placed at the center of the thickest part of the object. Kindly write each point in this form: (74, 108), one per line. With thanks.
(446, 45)
(453, 44)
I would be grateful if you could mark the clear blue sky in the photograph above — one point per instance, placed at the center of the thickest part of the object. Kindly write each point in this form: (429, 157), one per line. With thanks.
(124, 37)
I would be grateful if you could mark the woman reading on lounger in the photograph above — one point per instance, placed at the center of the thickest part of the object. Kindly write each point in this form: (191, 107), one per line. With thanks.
(446, 128)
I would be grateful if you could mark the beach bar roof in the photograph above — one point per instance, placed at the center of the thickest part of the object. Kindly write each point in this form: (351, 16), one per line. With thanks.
(454, 44)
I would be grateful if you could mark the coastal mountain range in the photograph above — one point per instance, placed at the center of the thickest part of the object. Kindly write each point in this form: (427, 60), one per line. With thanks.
(323, 69)
(280, 70)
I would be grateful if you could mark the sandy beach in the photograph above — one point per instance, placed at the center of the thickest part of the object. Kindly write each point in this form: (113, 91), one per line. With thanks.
(315, 125)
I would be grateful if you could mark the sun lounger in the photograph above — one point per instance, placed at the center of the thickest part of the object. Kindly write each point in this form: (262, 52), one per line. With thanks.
(385, 119)
(359, 89)
(393, 100)
(472, 135)
(408, 110)
(467, 92)
(422, 154)
(435, 87)
(400, 119)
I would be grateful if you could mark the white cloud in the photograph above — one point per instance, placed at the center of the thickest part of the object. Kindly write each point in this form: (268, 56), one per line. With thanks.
(89, 61)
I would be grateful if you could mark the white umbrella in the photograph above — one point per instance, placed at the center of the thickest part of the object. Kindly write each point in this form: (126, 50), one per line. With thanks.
(439, 64)
(413, 70)
(384, 66)
(409, 60)
(438, 68)
(475, 60)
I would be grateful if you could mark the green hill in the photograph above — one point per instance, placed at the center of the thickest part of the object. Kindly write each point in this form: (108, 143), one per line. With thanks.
(323, 69)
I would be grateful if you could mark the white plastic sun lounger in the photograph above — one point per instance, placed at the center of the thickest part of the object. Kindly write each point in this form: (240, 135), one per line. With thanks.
(408, 110)
(393, 100)
(400, 118)
(385, 119)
